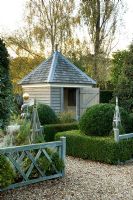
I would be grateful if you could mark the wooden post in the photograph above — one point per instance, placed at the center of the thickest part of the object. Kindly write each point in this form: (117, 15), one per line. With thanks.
(62, 99)
(116, 135)
(77, 103)
(63, 153)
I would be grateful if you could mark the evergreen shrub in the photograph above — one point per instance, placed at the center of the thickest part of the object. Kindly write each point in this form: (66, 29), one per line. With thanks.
(5, 87)
(7, 174)
(22, 138)
(44, 164)
(46, 114)
(102, 149)
(51, 129)
(98, 120)
(106, 96)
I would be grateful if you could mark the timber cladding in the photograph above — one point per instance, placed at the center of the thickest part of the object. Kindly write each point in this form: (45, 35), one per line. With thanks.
(41, 94)
(56, 99)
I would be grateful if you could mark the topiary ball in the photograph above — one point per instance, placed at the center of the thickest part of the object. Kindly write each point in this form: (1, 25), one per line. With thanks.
(46, 114)
(98, 119)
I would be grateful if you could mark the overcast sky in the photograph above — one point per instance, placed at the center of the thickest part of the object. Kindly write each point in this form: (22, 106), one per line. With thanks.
(11, 12)
(11, 15)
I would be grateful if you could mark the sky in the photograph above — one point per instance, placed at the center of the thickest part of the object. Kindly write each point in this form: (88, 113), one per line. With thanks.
(11, 18)
(11, 14)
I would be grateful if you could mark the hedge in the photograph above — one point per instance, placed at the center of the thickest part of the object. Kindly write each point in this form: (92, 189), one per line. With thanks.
(103, 149)
(51, 129)
(106, 96)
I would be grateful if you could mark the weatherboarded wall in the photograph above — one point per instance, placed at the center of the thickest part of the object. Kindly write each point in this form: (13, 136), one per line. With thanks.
(48, 95)
(56, 99)
(41, 94)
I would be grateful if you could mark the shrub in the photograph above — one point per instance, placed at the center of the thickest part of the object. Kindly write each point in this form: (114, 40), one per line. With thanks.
(18, 101)
(103, 149)
(106, 96)
(38, 138)
(51, 129)
(6, 172)
(45, 165)
(6, 98)
(46, 114)
(98, 119)
(24, 134)
(1, 133)
(131, 116)
(58, 162)
(66, 117)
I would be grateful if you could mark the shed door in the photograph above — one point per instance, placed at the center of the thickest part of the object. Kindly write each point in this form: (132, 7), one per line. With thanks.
(88, 97)
(70, 100)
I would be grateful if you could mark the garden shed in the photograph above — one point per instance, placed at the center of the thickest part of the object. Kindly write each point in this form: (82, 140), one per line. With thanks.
(61, 85)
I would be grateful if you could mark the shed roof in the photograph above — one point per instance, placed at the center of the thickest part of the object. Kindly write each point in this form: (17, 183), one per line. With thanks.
(57, 69)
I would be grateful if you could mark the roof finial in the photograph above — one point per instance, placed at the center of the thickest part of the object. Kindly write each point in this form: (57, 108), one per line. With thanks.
(56, 47)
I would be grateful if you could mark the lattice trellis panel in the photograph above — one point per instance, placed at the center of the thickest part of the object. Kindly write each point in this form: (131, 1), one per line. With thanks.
(28, 161)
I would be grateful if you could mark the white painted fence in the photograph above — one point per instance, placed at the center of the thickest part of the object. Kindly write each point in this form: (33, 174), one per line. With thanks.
(119, 137)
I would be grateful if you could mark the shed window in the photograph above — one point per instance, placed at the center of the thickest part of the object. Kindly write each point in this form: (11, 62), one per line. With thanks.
(71, 97)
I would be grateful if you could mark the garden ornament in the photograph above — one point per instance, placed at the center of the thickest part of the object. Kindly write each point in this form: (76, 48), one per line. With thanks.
(36, 129)
(25, 106)
(117, 118)
(116, 121)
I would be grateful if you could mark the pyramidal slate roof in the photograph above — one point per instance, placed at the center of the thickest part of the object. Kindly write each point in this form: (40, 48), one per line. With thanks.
(57, 69)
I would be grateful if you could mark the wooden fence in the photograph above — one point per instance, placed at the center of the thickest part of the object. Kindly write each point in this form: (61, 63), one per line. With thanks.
(18, 154)
(119, 137)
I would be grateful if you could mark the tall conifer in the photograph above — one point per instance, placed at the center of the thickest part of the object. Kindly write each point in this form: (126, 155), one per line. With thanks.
(5, 86)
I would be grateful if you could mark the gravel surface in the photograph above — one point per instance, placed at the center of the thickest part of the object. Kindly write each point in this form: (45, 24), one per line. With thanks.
(84, 180)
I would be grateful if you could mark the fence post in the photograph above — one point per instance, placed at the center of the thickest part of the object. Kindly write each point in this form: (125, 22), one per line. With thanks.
(116, 135)
(63, 153)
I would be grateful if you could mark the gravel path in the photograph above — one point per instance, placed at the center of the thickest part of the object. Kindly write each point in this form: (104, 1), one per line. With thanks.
(84, 180)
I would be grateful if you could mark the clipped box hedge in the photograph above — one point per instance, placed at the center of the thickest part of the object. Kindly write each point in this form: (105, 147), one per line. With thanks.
(51, 129)
(103, 149)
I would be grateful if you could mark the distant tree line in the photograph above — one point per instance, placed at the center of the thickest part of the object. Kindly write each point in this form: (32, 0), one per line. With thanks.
(52, 22)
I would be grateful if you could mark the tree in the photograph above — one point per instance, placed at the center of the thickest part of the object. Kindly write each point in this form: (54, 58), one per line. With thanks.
(5, 86)
(79, 54)
(118, 63)
(51, 21)
(101, 18)
(23, 43)
(124, 84)
(20, 67)
(47, 23)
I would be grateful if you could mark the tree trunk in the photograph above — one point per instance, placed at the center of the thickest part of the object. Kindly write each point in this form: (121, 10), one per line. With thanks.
(97, 41)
